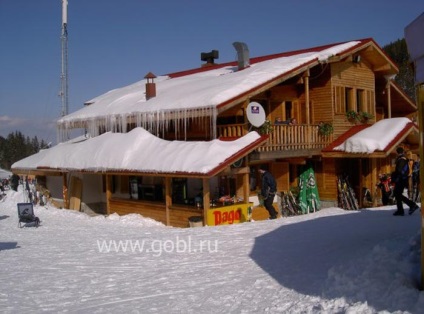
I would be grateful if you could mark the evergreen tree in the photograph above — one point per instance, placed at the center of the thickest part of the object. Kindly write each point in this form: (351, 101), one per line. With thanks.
(35, 145)
(16, 147)
(398, 52)
(2, 149)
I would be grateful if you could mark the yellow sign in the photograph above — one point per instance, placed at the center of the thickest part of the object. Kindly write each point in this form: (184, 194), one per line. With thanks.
(228, 215)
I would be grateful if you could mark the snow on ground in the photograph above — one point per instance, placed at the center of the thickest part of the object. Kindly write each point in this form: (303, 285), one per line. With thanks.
(327, 262)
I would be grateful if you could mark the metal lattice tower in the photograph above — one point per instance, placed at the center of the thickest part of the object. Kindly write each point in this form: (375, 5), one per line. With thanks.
(64, 74)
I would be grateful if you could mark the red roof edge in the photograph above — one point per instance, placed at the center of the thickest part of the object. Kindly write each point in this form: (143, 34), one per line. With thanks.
(406, 129)
(357, 128)
(265, 58)
(241, 153)
(338, 141)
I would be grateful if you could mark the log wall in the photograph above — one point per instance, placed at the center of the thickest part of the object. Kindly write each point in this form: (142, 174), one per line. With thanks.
(178, 215)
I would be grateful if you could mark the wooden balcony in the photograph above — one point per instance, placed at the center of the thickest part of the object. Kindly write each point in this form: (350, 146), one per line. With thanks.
(285, 140)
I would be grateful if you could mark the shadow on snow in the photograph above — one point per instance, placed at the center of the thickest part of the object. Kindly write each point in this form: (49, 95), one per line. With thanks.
(332, 257)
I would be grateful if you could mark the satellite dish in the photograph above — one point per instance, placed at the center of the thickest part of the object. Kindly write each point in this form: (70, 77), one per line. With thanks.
(255, 114)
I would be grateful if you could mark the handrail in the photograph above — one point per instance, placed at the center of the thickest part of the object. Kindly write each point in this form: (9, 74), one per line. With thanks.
(284, 137)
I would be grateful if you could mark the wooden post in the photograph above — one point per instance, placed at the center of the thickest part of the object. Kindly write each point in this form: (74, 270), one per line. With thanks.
(361, 184)
(420, 102)
(306, 80)
(168, 198)
(108, 192)
(389, 101)
(206, 200)
(65, 191)
(246, 188)
(374, 181)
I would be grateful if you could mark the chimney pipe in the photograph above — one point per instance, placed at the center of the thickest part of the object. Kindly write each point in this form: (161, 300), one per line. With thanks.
(209, 57)
(150, 86)
(242, 55)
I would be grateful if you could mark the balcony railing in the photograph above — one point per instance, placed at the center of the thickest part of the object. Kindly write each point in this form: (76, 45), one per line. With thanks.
(284, 137)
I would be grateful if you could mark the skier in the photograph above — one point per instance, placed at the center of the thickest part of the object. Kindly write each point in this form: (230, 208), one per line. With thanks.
(400, 179)
(268, 190)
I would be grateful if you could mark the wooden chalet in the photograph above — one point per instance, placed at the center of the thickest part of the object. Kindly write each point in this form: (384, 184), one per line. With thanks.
(316, 86)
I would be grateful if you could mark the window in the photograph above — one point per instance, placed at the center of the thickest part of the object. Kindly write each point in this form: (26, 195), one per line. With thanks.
(360, 103)
(349, 105)
(288, 110)
(370, 102)
(346, 99)
(339, 101)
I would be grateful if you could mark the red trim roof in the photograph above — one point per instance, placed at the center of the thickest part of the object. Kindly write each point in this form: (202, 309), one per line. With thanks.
(268, 57)
(408, 128)
(357, 128)
(338, 141)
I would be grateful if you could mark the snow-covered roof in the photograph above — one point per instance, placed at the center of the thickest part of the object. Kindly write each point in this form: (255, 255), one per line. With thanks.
(376, 137)
(140, 151)
(188, 96)
(4, 174)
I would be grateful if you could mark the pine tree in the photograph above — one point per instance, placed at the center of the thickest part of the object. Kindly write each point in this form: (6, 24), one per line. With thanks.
(16, 147)
(398, 52)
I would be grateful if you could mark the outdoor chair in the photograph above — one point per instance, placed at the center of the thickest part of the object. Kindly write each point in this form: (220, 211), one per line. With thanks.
(26, 215)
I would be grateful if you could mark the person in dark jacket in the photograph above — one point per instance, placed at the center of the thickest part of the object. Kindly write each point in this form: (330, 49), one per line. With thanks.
(400, 179)
(14, 182)
(268, 190)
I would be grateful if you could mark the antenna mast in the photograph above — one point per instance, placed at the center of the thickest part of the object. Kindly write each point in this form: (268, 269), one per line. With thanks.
(64, 74)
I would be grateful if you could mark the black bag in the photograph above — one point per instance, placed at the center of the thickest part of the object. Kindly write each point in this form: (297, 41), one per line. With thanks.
(394, 177)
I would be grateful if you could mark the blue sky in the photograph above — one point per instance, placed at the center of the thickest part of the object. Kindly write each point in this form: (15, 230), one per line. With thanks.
(117, 42)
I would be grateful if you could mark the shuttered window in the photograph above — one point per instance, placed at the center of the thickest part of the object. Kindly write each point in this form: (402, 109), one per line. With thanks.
(347, 98)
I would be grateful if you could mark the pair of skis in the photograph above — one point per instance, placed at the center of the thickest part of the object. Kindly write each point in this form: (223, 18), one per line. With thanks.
(347, 198)
(289, 205)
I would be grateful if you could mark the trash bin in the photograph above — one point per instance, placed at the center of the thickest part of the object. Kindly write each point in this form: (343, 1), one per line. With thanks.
(195, 221)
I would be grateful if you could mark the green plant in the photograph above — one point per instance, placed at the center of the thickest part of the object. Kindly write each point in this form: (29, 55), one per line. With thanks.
(365, 116)
(352, 115)
(266, 128)
(325, 129)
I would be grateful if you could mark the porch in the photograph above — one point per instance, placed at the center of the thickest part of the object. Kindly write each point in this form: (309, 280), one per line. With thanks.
(284, 140)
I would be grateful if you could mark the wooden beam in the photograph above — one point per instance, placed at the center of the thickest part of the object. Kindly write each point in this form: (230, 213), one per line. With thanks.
(37, 172)
(65, 191)
(420, 102)
(374, 180)
(246, 187)
(168, 198)
(206, 200)
(306, 80)
(389, 101)
(297, 161)
(361, 184)
(234, 171)
(385, 67)
(355, 155)
(108, 193)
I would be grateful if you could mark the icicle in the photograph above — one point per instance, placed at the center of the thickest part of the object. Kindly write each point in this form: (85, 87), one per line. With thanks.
(157, 122)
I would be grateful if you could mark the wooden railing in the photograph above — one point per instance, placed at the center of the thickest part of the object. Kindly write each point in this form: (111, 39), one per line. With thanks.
(284, 137)
(232, 130)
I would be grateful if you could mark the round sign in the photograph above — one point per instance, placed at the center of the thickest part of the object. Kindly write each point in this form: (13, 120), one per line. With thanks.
(255, 114)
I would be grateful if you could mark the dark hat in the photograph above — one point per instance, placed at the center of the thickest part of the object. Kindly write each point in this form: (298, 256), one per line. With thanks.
(263, 167)
(400, 150)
